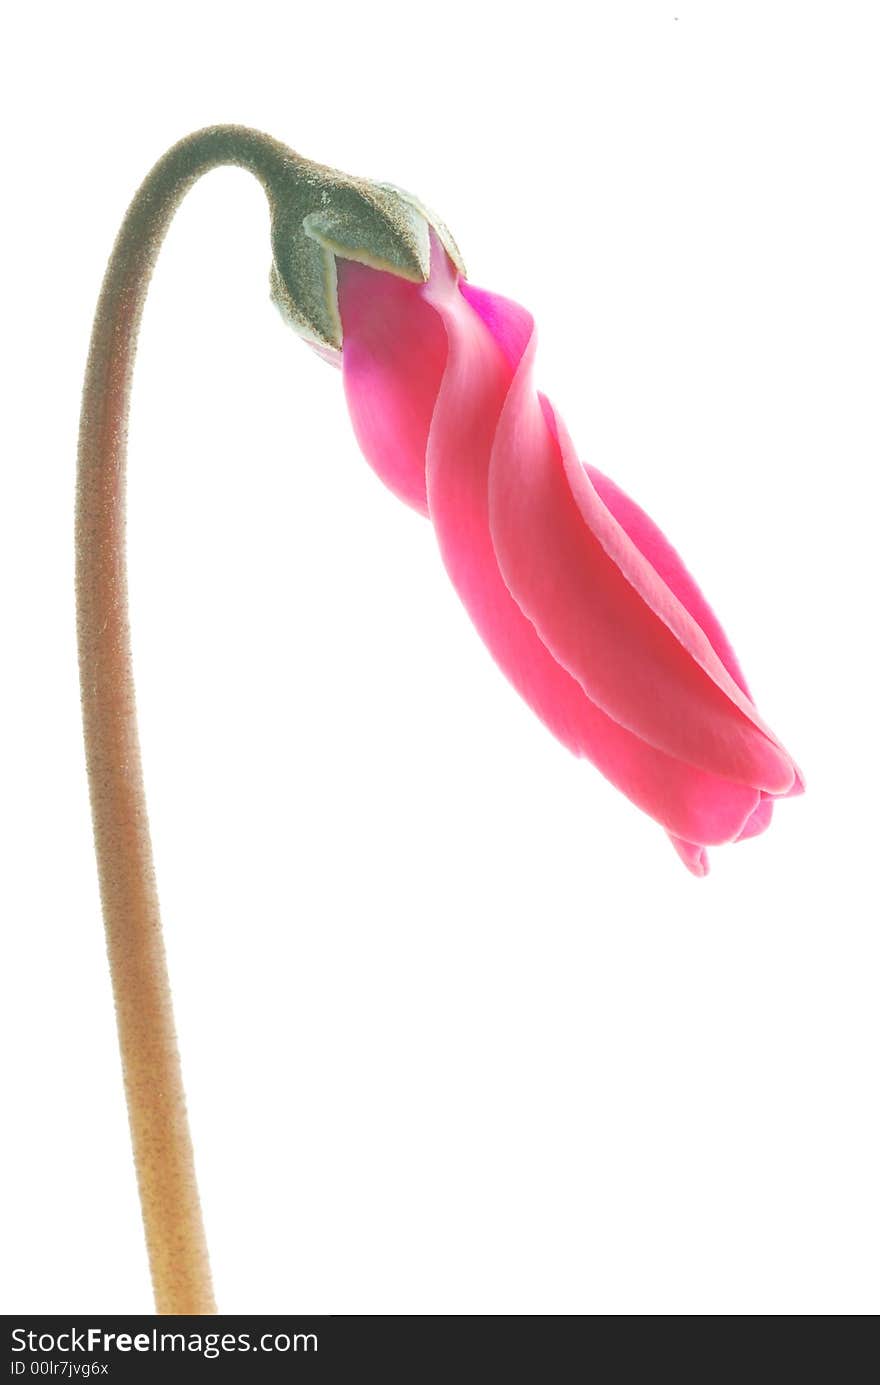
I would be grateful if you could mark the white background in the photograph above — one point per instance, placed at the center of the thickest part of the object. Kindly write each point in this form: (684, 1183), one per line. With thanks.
(460, 1034)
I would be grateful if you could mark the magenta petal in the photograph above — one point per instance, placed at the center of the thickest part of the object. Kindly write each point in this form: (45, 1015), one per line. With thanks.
(392, 363)
(759, 820)
(695, 857)
(655, 546)
(477, 378)
(605, 613)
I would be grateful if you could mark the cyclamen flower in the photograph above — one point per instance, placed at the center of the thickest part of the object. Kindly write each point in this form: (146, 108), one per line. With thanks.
(581, 600)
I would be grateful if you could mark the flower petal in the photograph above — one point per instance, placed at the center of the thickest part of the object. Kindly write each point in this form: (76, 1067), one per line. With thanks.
(605, 613)
(695, 857)
(666, 562)
(392, 361)
(759, 820)
(654, 545)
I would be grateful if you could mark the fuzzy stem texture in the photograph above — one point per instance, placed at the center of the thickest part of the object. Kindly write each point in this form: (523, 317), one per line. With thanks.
(151, 1066)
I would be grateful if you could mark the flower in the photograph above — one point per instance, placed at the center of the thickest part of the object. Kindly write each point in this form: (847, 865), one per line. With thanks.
(581, 600)
(583, 603)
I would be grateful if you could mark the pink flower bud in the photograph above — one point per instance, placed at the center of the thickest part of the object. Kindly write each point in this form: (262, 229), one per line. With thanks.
(581, 600)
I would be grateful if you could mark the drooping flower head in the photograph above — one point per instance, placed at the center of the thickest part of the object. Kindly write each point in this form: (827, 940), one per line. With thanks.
(583, 603)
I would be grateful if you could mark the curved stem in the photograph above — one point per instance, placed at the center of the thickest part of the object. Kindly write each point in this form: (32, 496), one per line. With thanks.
(151, 1065)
